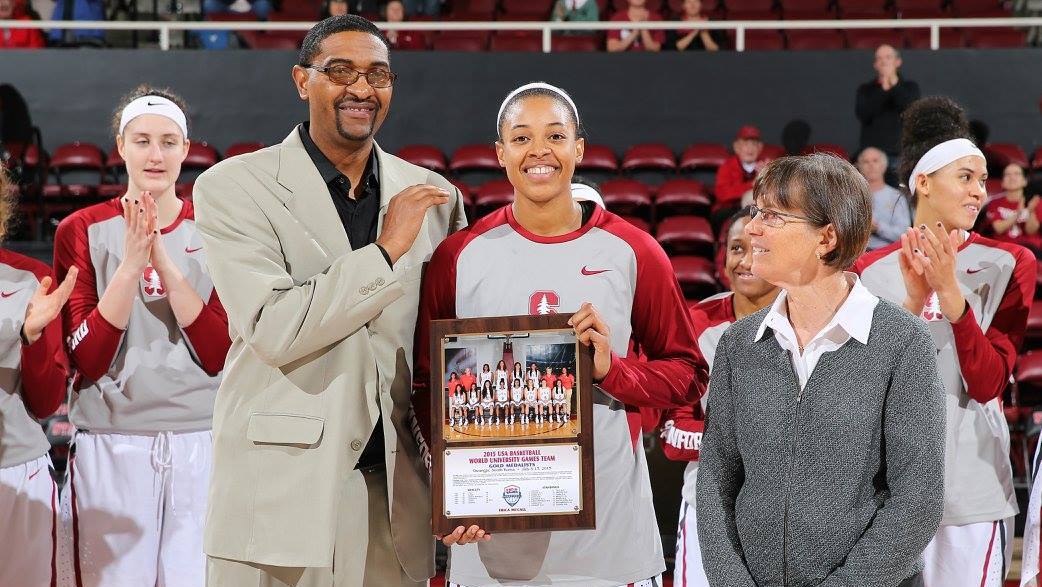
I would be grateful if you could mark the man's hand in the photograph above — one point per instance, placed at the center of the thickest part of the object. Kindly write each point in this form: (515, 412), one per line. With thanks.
(404, 217)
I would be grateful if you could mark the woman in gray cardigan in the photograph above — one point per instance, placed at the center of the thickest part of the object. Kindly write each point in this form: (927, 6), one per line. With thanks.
(822, 462)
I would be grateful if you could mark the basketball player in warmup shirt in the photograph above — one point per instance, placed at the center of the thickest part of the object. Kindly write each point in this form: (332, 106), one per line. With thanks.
(632, 288)
(501, 372)
(534, 375)
(682, 427)
(974, 293)
(485, 375)
(33, 385)
(502, 401)
(531, 403)
(518, 372)
(147, 338)
(543, 414)
(474, 404)
(456, 403)
(558, 399)
(517, 401)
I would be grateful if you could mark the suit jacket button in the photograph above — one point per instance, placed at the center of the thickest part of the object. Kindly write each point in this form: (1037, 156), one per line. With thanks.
(363, 290)
(380, 281)
(356, 444)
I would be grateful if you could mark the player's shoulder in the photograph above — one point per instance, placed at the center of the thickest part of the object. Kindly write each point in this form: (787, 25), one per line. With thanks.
(872, 257)
(81, 219)
(454, 244)
(20, 262)
(1020, 254)
(643, 244)
(713, 310)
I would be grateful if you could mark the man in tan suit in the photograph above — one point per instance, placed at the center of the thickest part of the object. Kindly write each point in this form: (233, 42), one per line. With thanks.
(316, 247)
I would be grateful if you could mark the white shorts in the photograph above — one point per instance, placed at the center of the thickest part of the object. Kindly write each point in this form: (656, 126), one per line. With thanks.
(1030, 564)
(652, 582)
(28, 531)
(688, 571)
(973, 554)
(133, 508)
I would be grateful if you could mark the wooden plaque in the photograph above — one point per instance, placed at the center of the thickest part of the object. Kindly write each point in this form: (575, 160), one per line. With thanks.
(511, 466)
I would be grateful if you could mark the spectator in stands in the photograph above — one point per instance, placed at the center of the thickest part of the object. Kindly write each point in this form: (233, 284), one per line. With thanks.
(18, 38)
(735, 177)
(422, 7)
(394, 11)
(890, 213)
(1012, 216)
(335, 8)
(880, 103)
(632, 39)
(259, 7)
(575, 11)
(694, 39)
(78, 10)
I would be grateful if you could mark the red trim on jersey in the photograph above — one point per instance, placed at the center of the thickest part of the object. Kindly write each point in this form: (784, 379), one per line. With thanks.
(208, 334)
(689, 419)
(44, 366)
(987, 557)
(595, 219)
(187, 211)
(986, 359)
(77, 571)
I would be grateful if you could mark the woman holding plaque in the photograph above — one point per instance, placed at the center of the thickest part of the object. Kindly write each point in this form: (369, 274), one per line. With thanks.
(617, 283)
(822, 460)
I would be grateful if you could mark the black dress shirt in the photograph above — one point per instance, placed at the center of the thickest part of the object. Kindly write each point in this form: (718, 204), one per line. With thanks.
(359, 217)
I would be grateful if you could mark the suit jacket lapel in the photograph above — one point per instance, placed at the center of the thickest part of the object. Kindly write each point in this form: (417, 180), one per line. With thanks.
(393, 179)
(308, 197)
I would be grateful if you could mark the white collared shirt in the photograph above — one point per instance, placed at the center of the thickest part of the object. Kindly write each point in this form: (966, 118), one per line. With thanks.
(853, 319)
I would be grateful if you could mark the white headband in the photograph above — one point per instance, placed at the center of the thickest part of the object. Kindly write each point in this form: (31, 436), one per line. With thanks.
(581, 191)
(154, 105)
(534, 85)
(942, 155)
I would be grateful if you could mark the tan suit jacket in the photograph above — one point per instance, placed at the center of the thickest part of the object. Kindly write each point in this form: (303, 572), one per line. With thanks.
(322, 341)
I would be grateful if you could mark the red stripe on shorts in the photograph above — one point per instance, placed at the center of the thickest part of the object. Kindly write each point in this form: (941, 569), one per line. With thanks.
(54, 533)
(75, 521)
(987, 557)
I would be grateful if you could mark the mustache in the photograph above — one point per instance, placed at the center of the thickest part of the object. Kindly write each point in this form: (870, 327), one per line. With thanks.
(348, 101)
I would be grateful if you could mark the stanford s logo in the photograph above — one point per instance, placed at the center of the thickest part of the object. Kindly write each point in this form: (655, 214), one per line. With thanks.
(543, 302)
(151, 284)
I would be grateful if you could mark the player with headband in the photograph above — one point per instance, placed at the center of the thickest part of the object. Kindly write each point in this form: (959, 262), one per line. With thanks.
(147, 339)
(616, 283)
(974, 293)
(32, 386)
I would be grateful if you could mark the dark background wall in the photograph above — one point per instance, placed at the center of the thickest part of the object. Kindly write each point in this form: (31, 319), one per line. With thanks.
(451, 99)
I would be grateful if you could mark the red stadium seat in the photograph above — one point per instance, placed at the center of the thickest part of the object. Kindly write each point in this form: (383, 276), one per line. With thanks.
(279, 40)
(827, 148)
(686, 235)
(920, 38)
(816, 40)
(472, 10)
(111, 190)
(654, 5)
(467, 41)
(752, 15)
(649, 156)
(493, 195)
(114, 159)
(871, 38)
(427, 156)
(1036, 160)
(474, 157)
(682, 196)
(526, 10)
(695, 275)
(577, 43)
(1002, 154)
(748, 5)
(901, 5)
(75, 157)
(993, 185)
(806, 5)
(184, 190)
(627, 197)
(875, 9)
(771, 152)
(974, 6)
(517, 41)
(201, 156)
(242, 149)
(598, 158)
(995, 38)
(465, 191)
(1033, 334)
(301, 10)
(762, 40)
(704, 156)
(1029, 369)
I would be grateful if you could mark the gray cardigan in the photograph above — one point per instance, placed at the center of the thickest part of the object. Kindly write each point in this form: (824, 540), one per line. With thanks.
(840, 485)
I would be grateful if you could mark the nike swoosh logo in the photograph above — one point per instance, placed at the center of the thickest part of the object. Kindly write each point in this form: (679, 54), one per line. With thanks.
(191, 250)
(972, 271)
(586, 271)
(7, 294)
(154, 104)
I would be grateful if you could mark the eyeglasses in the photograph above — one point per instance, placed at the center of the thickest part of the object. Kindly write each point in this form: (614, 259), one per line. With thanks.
(347, 76)
(774, 218)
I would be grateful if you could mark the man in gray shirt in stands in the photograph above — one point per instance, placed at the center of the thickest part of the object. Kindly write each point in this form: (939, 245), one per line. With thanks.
(890, 212)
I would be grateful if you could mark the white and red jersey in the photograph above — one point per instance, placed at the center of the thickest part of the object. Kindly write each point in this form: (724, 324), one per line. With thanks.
(683, 427)
(975, 358)
(544, 395)
(627, 276)
(533, 376)
(483, 377)
(156, 375)
(32, 378)
(502, 395)
(530, 395)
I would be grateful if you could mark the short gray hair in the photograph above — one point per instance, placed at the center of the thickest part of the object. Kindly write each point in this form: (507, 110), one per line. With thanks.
(828, 190)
